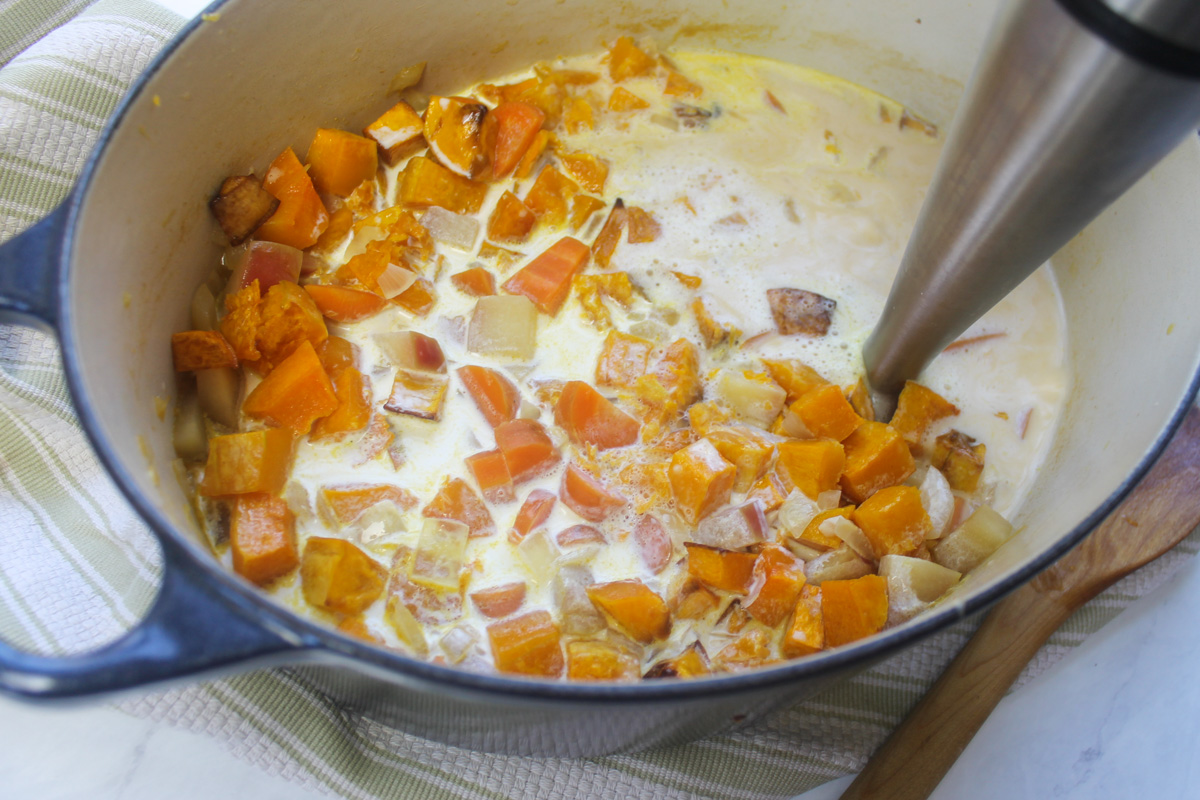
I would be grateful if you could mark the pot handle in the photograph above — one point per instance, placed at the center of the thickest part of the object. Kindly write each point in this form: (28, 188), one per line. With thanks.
(29, 272)
(192, 629)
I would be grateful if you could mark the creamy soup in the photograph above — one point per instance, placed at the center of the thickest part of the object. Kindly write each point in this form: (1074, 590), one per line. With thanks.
(730, 502)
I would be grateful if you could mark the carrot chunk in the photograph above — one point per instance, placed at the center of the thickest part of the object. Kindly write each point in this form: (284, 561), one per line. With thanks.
(726, 570)
(894, 521)
(775, 585)
(262, 536)
(637, 610)
(853, 609)
(534, 511)
(246, 463)
(511, 220)
(546, 280)
(805, 631)
(623, 359)
(811, 465)
(398, 132)
(353, 410)
(346, 502)
(517, 125)
(600, 661)
(338, 161)
(426, 183)
(495, 395)
(826, 412)
(587, 496)
(701, 480)
(476, 281)
(193, 350)
(455, 500)
(491, 473)
(550, 196)
(527, 645)
(295, 394)
(527, 448)
(876, 457)
(342, 304)
(301, 217)
(337, 576)
(499, 601)
(588, 417)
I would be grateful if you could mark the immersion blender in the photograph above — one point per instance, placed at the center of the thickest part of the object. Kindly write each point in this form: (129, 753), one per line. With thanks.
(1070, 104)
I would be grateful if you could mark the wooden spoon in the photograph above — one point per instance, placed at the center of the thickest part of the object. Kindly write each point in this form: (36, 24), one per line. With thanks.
(1156, 516)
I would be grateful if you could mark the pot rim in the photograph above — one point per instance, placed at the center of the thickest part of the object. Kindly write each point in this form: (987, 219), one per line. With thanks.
(353, 652)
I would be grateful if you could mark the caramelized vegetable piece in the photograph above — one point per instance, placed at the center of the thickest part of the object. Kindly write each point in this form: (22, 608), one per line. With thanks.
(638, 611)
(452, 130)
(490, 471)
(398, 133)
(599, 661)
(241, 205)
(592, 289)
(678, 371)
(854, 609)
(691, 663)
(418, 394)
(511, 220)
(342, 304)
(246, 463)
(495, 395)
(591, 172)
(476, 281)
(826, 412)
(768, 492)
(624, 100)
(812, 465)
(917, 408)
(653, 543)
(588, 418)
(193, 350)
(805, 631)
(426, 183)
(587, 496)
(960, 459)
(725, 570)
(337, 576)
(876, 457)
(534, 511)
(517, 126)
(546, 280)
(527, 448)
(499, 601)
(610, 235)
(701, 480)
(894, 520)
(800, 311)
(295, 394)
(262, 537)
(626, 60)
(338, 161)
(748, 451)
(301, 217)
(623, 359)
(455, 500)
(527, 645)
(346, 502)
(796, 377)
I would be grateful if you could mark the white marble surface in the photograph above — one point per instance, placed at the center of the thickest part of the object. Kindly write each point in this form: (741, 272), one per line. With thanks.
(1118, 718)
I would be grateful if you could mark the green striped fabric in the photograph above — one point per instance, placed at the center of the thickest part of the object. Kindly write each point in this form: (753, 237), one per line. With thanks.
(78, 567)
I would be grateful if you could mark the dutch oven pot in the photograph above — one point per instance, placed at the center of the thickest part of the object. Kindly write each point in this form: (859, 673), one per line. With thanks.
(112, 270)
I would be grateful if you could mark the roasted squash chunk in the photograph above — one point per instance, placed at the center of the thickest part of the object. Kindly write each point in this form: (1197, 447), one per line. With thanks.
(246, 463)
(623, 359)
(626, 60)
(301, 217)
(600, 661)
(527, 645)
(295, 394)
(426, 183)
(805, 632)
(960, 459)
(776, 582)
(812, 465)
(338, 161)
(452, 129)
(748, 451)
(455, 500)
(418, 394)
(691, 663)
(262, 536)
(346, 502)
(337, 576)
(241, 205)
(727, 570)
(637, 610)
(195, 350)
(876, 457)
(511, 220)
(853, 609)
(398, 132)
(894, 520)
(527, 448)
(701, 480)
(796, 377)
(917, 408)
(826, 412)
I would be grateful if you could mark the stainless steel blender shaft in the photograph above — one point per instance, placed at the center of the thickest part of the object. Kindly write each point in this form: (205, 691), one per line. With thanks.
(1071, 103)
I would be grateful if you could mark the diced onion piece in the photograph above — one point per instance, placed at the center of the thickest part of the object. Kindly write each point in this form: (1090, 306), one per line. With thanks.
(538, 553)
(312, 264)
(449, 228)
(849, 533)
(802, 551)
(265, 262)
(406, 626)
(411, 350)
(503, 325)
(438, 558)
(842, 564)
(379, 523)
(976, 539)
(938, 501)
(757, 402)
(191, 442)
(829, 500)
(528, 410)
(913, 584)
(796, 512)
(395, 280)
(218, 391)
(579, 616)
(407, 78)
(733, 528)
(204, 309)
(459, 641)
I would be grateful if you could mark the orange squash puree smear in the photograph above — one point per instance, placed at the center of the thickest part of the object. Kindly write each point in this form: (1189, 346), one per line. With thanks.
(559, 375)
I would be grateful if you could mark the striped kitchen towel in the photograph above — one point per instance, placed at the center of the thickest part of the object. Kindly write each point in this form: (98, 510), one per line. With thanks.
(79, 567)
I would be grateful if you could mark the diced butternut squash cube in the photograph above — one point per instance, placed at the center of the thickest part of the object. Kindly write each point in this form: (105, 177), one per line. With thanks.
(960, 459)
(854, 609)
(582, 208)
(578, 115)
(748, 451)
(344, 503)
(827, 413)
(701, 480)
(353, 410)
(726, 570)
(623, 359)
(295, 394)
(398, 132)
(417, 394)
(694, 601)
(455, 500)
(247, 463)
(805, 631)
(262, 536)
(794, 376)
(813, 536)
(301, 217)
(638, 611)
(418, 298)
(337, 576)
(622, 100)
(643, 227)
(546, 280)
(195, 350)
(527, 448)
(527, 645)
(343, 304)
(775, 585)
(338, 161)
(426, 183)
(453, 127)
(811, 465)
(626, 60)
(894, 521)
(549, 198)
(533, 155)
(511, 220)
(591, 172)
(600, 661)
(691, 663)
(876, 457)
(589, 418)
(917, 408)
